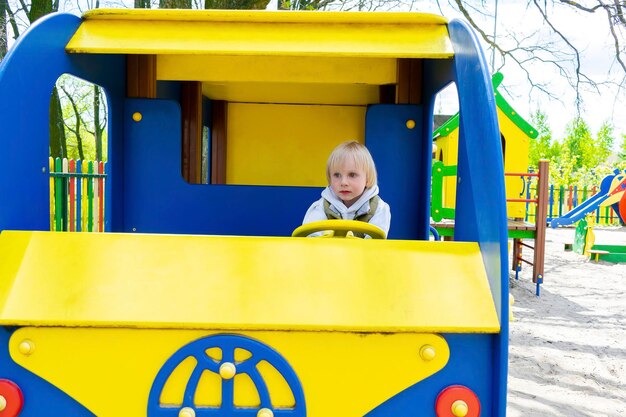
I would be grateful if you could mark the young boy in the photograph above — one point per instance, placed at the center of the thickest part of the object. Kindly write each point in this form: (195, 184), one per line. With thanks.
(352, 193)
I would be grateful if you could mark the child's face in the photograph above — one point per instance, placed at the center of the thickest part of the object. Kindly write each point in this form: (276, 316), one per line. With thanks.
(348, 182)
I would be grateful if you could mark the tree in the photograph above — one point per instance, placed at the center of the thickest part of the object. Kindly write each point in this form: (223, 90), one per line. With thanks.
(175, 4)
(603, 143)
(552, 47)
(578, 142)
(236, 4)
(58, 148)
(39, 8)
(304, 4)
(543, 147)
(580, 159)
(84, 118)
(3, 29)
(622, 152)
(99, 123)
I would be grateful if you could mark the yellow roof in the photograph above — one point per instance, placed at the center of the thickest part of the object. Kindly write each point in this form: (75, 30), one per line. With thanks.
(221, 32)
(244, 283)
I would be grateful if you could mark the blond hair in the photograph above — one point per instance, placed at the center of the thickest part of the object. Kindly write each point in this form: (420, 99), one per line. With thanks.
(361, 157)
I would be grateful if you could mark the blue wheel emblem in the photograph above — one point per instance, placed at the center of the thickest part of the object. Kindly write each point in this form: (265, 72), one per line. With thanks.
(226, 368)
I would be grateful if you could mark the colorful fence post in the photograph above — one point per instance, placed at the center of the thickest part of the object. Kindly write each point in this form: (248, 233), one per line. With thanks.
(77, 195)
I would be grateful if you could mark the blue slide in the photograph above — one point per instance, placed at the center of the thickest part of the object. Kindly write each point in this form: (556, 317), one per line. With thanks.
(588, 206)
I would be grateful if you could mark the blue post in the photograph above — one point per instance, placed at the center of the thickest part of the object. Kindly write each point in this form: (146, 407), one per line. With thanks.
(527, 198)
(433, 232)
(539, 282)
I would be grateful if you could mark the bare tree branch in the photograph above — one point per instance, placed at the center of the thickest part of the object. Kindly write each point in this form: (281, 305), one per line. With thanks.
(78, 118)
(580, 6)
(572, 47)
(616, 44)
(16, 30)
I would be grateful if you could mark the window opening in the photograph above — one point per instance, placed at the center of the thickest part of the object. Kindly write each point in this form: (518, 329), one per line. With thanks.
(78, 155)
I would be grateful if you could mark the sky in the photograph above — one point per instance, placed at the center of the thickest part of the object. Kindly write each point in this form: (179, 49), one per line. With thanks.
(589, 32)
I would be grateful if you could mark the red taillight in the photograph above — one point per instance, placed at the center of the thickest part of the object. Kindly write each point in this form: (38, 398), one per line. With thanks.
(457, 401)
(11, 399)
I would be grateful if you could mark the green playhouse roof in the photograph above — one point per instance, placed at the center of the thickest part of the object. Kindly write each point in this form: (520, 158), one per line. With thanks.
(453, 123)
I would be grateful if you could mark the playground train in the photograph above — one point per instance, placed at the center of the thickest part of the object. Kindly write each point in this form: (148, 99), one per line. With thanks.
(197, 300)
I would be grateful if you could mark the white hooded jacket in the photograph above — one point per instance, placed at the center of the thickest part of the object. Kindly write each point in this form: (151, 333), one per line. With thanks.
(382, 217)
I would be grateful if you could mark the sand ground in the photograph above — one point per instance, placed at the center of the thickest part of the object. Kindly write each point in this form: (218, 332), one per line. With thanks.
(567, 354)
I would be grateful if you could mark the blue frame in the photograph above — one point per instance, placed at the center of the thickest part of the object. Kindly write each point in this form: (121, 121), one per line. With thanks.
(227, 343)
(148, 194)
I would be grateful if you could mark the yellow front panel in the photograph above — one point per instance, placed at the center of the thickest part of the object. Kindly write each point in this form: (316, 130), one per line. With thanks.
(111, 371)
(255, 283)
(261, 153)
(408, 35)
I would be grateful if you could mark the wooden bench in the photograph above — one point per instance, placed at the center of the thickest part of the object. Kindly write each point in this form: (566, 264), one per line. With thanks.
(597, 253)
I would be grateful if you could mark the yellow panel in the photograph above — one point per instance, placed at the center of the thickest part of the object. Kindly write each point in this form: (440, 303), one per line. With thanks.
(246, 394)
(261, 153)
(332, 94)
(450, 147)
(214, 353)
(515, 160)
(407, 35)
(277, 69)
(348, 373)
(209, 391)
(174, 390)
(281, 394)
(256, 283)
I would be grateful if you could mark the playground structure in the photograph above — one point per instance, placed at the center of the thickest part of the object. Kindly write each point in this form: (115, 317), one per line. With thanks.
(515, 135)
(518, 229)
(612, 194)
(585, 244)
(562, 199)
(195, 302)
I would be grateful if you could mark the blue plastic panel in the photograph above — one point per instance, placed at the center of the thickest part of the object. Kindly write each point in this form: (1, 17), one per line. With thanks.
(27, 76)
(227, 344)
(158, 199)
(402, 175)
(40, 397)
(470, 365)
(480, 201)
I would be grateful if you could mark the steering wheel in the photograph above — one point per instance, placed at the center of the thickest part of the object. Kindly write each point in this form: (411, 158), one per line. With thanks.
(340, 228)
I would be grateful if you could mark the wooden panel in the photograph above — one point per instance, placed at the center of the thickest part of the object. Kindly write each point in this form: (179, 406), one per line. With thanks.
(141, 76)
(409, 88)
(191, 115)
(387, 94)
(540, 220)
(219, 117)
